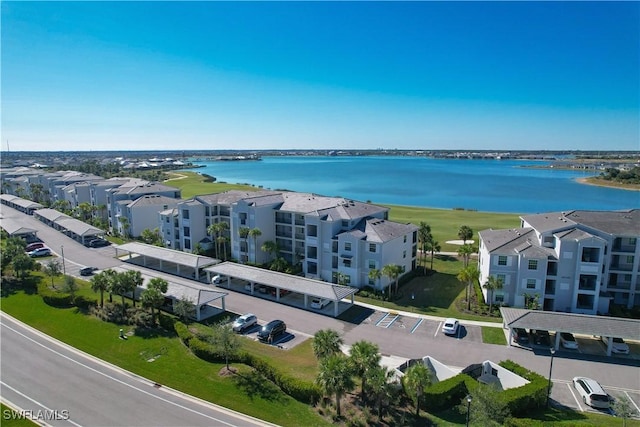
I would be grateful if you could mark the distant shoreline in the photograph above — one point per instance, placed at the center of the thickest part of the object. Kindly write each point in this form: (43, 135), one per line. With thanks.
(586, 181)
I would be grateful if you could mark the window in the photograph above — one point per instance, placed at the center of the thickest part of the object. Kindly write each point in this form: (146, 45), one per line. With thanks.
(533, 264)
(632, 241)
(629, 259)
(345, 224)
(187, 244)
(187, 232)
(502, 278)
(405, 238)
(185, 213)
(404, 254)
(502, 260)
(372, 247)
(499, 298)
(531, 283)
(347, 246)
(346, 262)
(372, 264)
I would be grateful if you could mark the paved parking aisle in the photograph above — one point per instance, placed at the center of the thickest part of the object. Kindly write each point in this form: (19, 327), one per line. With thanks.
(286, 341)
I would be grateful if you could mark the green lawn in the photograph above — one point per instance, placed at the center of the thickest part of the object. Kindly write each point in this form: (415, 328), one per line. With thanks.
(493, 336)
(12, 418)
(434, 294)
(193, 185)
(194, 376)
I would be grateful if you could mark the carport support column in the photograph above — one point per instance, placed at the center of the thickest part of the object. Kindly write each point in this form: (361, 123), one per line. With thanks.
(609, 345)
(556, 341)
(223, 309)
(509, 337)
(335, 308)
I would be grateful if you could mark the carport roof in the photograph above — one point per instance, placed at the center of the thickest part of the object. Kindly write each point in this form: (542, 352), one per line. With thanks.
(14, 228)
(570, 322)
(78, 227)
(169, 255)
(303, 285)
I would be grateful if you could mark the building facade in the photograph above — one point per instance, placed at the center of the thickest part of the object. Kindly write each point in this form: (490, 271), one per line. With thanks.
(578, 261)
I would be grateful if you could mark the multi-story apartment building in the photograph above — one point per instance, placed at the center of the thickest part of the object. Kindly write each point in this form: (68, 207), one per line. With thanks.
(141, 213)
(578, 261)
(328, 237)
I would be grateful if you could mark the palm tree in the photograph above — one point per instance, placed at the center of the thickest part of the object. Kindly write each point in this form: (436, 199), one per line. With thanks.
(270, 247)
(375, 275)
(326, 342)
(152, 298)
(433, 246)
(159, 287)
(392, 271)
(279, 264)
(379, 382)
(254, 233)
(100, 283)
(243, 233)
(465, 233)
(416, 379)
(132, 281)
(125, 225)
(335, 377)
(465, 251)
(493, 283)
(223, 226)
(119, 285)
(469, 275)
(222, 241)
(424, 235)
(364, 356)
(213, 230)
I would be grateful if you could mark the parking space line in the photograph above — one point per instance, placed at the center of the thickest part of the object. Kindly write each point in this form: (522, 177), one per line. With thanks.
(381, 320)
(417, 324)
(439, 326)
(632, 402)
(575, 398)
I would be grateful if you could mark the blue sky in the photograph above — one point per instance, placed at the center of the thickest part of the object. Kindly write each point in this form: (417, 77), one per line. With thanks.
(414, 75)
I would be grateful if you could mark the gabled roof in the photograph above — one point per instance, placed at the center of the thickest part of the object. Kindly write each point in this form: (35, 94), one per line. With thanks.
(617, 223)
(575, 234)
(548, 221)
(50, 214)
(499, 239)
(379, 230)
(152, 200)
(170, 255)
(78, 227)
(227, 198)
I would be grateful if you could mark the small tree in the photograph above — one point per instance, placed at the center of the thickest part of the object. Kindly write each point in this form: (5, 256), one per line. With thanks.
(375, 275)
(254, 233)
(622, 408)
(22, 265)
(493, 283)
(225, 340)
(100, 283)
(469, 275)
(326, 342)
(465, 251)
(424, 236)
(152, 298)
(416, 379)
(486, 408)
(379, 381)
(184, 308)
(392, 271)
(52, 269)
(70, 286)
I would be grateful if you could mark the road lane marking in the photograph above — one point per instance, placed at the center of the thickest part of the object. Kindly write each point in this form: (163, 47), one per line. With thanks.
(118, 380)
(438, 328)
(51, 411)
(632, 402)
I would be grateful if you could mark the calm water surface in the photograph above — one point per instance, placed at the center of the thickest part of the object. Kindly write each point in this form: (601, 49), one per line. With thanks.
(484, 185)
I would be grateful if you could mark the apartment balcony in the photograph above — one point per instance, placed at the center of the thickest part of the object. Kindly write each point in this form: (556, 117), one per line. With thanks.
(550, 287)
(282, 218)
(552, 269)
(299, 236)
(621, 267)
(287, 234)
(299, 220)
(619, 286)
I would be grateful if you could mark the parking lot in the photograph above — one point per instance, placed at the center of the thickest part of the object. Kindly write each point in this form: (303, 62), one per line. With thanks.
(285, 341)
(564, 395)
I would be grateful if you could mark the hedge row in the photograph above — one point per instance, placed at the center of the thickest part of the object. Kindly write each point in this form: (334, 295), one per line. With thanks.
(522, 400)
(54, 298)
(302, 391)
(448, 393)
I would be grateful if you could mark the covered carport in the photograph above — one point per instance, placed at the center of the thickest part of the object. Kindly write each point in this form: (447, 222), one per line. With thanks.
(79, 230)
(170, 261)
(582, 324)
(23, 205)
(16, 229)
(202, 297)
(282, 281)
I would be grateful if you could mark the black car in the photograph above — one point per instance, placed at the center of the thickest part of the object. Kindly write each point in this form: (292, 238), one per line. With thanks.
(541, 337)
(521, 336)
(98, 243)
(272, 330)
(87, 271)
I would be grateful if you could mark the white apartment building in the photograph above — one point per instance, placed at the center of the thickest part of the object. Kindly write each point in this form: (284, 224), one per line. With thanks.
(141, 213)
(577, 261)
(328, 237)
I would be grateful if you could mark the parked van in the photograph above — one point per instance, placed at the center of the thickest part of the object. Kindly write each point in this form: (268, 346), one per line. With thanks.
(591, 392)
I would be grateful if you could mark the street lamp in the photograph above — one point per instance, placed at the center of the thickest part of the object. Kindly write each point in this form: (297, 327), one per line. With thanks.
(553, 351)
(468, 409)
(64, 269)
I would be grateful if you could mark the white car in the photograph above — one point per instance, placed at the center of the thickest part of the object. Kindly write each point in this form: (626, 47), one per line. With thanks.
(244, 322)
(450, 326)
(217, 279)
(568, 341)
(618, 346)
(40, 252)
(592, 393)
(319, 303)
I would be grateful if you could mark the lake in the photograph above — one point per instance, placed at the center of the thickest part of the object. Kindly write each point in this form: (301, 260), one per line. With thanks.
(484, 185)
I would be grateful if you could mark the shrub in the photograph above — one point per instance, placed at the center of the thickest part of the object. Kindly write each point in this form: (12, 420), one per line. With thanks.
(54, 298)
(522, 400)
(448, 393)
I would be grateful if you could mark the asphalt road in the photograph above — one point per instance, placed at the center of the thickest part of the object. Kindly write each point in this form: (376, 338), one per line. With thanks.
(53, 380)
(618, 375)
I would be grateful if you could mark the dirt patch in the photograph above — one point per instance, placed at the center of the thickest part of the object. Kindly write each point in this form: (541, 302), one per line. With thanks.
(224, 372)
